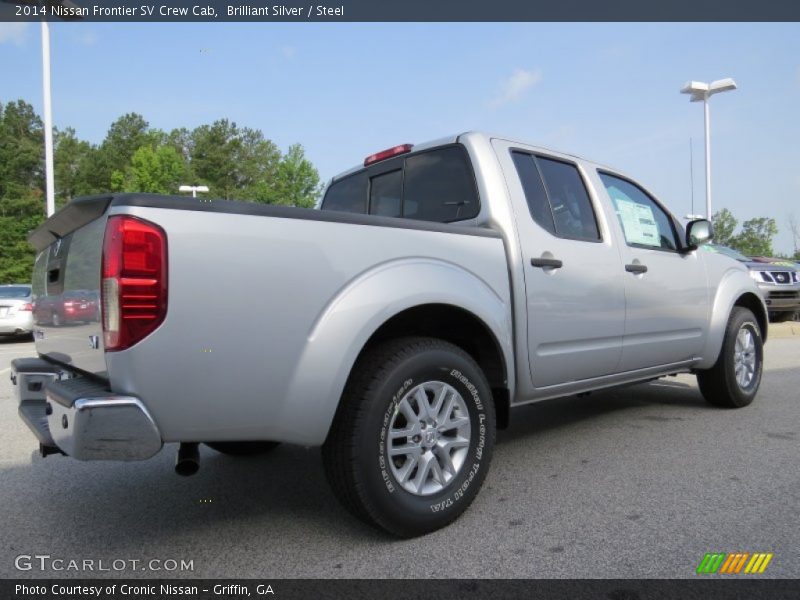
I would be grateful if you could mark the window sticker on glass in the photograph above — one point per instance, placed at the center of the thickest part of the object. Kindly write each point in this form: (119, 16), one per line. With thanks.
(638, 222)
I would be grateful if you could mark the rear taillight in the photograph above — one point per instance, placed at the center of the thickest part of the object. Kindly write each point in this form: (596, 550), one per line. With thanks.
(26, 307)
(134, 290)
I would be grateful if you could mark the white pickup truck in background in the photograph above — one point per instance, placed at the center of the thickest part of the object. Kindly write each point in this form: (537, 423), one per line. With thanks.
(438, 287)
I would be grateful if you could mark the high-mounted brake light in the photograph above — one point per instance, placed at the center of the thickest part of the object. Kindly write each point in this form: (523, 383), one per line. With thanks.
(384, 154)
(134, 289)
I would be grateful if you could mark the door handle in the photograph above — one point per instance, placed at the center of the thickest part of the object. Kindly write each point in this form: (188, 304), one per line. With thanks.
(636, 268)
(546, 263)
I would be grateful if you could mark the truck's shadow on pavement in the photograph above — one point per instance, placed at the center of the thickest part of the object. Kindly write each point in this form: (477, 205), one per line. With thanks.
(654, 401)
(121, 508)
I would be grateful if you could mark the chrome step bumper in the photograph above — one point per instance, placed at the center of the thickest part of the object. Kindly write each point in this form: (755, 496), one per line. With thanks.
(84, 419)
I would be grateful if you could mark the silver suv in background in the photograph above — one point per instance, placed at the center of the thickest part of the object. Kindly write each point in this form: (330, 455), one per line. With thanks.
(778, 283)
(16, 309)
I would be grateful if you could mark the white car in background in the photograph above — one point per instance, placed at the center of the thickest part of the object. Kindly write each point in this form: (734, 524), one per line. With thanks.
(16, 309)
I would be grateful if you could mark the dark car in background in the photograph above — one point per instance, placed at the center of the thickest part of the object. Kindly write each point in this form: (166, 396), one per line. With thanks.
(777, 279)
(74, 306)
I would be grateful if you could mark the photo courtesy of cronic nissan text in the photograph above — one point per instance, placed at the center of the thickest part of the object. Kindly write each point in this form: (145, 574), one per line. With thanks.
(487, 300)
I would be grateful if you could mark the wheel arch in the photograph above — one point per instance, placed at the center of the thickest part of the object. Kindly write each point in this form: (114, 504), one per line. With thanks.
(735, 289)
(414, 296)
(461, 328)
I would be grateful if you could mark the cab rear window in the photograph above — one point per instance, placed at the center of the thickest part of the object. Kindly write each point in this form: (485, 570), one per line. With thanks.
(437, 185)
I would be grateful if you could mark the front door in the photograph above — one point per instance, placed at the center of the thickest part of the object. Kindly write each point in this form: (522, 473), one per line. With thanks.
(666, 290)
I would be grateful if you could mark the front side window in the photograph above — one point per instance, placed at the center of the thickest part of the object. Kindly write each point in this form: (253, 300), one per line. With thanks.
(643, 221)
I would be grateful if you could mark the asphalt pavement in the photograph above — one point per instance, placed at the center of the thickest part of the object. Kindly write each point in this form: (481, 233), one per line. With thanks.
(635, 482)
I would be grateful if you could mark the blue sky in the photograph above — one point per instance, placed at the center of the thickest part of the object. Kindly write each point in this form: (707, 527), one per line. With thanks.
(605, 91)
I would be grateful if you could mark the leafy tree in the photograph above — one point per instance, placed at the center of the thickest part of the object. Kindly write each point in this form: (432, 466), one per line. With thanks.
(755, 239)
(295, 183)
(724, 225)
(70, 158)
(125, 136)
(17, 219)
(156, 170)
(235, 162)
(232, 161)
(21, 151)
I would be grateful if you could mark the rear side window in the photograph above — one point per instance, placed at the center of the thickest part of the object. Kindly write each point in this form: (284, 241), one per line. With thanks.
(538, 204)
(348, 195)
(557, 197)
(437, 186)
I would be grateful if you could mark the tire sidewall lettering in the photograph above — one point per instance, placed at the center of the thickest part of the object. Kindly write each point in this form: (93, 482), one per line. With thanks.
(457, 489)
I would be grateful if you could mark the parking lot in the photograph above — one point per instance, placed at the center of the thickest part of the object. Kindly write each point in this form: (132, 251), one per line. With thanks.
(635, 482)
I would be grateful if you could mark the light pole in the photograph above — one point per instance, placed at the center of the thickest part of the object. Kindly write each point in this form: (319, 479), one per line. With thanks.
(49, 185)
(701, 92)
(194, 189)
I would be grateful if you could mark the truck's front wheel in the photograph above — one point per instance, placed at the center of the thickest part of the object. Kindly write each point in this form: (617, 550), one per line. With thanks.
(413, 437)
(733, 381)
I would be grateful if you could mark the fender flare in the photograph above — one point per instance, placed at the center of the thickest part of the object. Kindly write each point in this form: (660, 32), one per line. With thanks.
(359, 309)
(734, 285)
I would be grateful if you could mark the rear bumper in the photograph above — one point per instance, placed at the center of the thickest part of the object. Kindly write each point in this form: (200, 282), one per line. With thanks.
(82, 418)
(21, 322)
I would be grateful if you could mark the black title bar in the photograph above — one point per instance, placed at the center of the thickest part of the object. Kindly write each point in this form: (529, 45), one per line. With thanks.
(399, 10)
(701, 588)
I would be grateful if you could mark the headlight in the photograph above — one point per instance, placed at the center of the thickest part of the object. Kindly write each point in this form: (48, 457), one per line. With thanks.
(756, 275)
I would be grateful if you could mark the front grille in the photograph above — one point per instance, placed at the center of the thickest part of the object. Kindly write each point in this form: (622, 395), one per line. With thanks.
(784, 295)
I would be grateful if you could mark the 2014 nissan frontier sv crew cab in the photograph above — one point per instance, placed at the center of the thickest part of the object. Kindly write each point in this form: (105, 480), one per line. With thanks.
(439, 286)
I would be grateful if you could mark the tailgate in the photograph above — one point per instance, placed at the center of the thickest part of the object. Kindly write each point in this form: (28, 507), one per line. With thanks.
(66, 285)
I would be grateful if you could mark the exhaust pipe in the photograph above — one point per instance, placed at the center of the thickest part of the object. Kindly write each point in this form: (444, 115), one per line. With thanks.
(188, 460)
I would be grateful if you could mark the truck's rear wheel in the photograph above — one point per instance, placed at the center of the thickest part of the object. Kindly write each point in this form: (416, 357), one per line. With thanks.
(734, 379)
(413, 437)
(242, 448)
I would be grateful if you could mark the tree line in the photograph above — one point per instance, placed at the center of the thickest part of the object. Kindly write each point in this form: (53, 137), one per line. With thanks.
(234, 162)
(754, 238)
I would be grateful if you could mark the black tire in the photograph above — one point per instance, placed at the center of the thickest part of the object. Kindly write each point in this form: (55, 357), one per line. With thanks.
(719, 384)
(243, 448)
(356, 452)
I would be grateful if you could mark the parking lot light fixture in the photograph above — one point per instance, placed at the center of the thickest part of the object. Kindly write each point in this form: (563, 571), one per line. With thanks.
(701, 92)
(203, 189)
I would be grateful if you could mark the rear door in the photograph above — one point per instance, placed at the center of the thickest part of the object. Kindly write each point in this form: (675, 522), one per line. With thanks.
(572, 269)
(666, 290)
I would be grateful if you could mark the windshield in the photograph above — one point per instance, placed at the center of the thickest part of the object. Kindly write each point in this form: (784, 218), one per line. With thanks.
(716, 248)
(17, 291)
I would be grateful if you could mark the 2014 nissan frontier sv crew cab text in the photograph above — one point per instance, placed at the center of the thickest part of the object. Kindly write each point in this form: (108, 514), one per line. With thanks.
(437, 287)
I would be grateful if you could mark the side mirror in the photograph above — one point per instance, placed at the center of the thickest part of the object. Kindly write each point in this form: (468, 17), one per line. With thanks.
(698, 232)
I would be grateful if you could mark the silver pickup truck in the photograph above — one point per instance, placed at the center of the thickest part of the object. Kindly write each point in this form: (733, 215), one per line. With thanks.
(438, 286)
